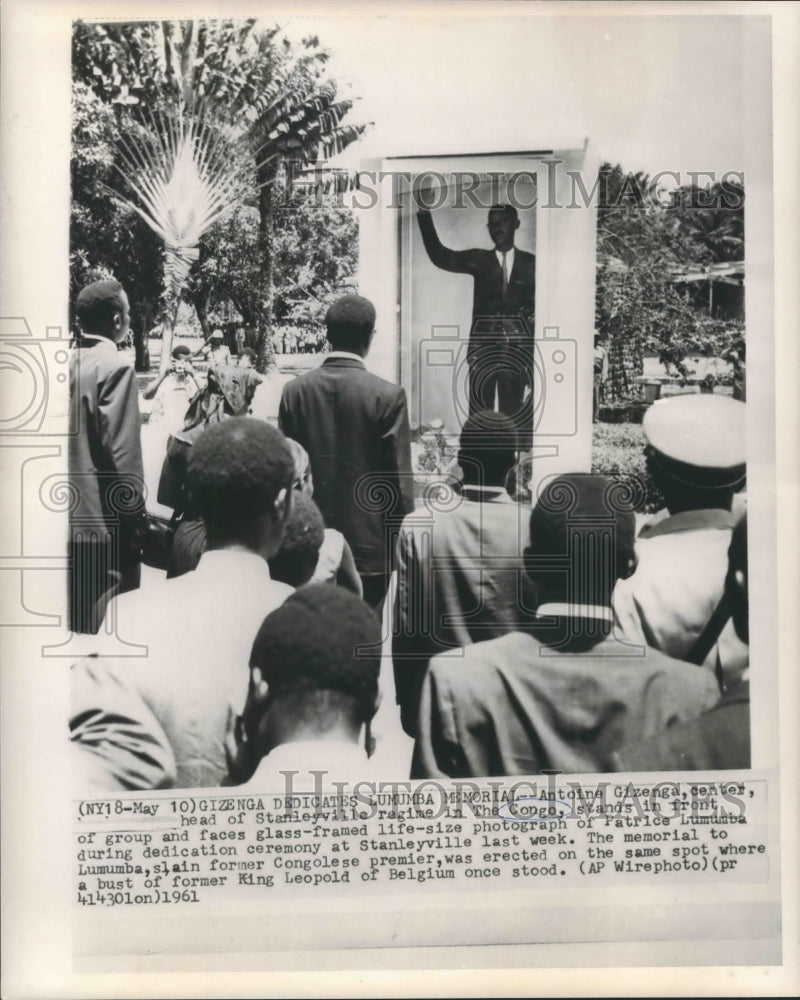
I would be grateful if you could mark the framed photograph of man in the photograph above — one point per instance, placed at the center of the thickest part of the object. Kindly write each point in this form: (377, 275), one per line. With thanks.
(487, 316)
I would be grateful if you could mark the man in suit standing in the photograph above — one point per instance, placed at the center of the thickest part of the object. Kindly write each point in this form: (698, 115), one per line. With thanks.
(106, 522)
(500, 349)
(354, 427)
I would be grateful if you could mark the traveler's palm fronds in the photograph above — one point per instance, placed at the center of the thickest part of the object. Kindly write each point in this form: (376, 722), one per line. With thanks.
(181, 173)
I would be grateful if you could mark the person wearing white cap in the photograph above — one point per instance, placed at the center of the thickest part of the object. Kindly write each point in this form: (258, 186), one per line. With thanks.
(674, 600)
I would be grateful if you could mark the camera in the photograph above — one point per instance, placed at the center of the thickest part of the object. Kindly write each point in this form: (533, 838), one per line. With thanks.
(32, 369)
(442, 374)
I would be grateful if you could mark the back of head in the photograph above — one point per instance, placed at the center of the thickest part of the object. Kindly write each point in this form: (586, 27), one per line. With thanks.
(236, 470)
(97, 306)
(249, 354)
(303, 534)
(696, 450)
(180, 352)
(350, 322)
(487, 447)
(582, 539)
(315, 644)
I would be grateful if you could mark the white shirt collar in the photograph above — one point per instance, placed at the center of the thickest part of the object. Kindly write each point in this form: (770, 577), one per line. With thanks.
(344, 354)
(224, 562)
(562, 609)
(509, 259)
(338, 760)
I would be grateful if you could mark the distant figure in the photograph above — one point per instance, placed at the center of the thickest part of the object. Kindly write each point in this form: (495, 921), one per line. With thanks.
(198, 629)
(460, 574)
(313, 693)
(500, 349)
(696, 456)
(172, 391)
(107, 520)
(241, 340)
(215, 350)
(720, 738)
(561, 693)
(354, 427)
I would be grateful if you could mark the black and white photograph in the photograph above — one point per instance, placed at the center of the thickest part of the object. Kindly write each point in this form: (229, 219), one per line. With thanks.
(397, 492)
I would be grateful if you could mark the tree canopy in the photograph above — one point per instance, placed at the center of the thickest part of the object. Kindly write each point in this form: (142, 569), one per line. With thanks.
(645, 241)
(266, 103)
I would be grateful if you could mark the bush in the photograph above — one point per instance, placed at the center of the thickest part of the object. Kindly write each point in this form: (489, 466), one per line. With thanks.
(618, 452)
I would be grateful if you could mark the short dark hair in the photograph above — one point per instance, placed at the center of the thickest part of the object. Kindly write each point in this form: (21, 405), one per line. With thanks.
(97, 305)
(181, 351)
(487, 446)
(236, 469)
(248, 352)
(315, 641)
(350, 322)
(589, 521)
(303, 534)
(506, 209)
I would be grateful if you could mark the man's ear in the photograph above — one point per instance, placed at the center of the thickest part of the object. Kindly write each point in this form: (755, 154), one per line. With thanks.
(283, 505)
(516, 223)
(629, 566)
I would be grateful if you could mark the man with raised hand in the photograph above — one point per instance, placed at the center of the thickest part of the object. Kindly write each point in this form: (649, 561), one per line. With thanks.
(500, 348)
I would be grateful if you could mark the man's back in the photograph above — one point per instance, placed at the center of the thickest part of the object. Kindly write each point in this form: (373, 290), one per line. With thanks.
(199, 629)
(354, 426)
(460, 579)
(104, 445)
(515, 706)
(678, 582)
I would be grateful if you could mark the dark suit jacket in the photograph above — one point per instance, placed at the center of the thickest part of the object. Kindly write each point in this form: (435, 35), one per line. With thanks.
(513, 706)
(717, 740)
(354, 426)
(105, 450)
(488, 300)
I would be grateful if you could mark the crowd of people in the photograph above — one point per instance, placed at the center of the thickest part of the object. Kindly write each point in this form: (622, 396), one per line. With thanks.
(303, 611)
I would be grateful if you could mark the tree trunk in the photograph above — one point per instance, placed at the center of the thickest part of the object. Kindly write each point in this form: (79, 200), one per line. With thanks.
(265, 355)
(167, 334)
(200, 303)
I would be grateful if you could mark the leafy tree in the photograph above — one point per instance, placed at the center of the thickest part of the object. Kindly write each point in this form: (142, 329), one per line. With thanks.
(315, 256)
(712, 218)
(272, 100)
(106, 239)
(644, 243)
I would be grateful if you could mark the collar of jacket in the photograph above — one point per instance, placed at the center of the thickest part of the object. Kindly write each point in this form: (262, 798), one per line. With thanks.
(339, 356)
(690, 520)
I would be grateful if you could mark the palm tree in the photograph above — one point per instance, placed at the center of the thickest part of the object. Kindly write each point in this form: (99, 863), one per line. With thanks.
(297, 128)
(179, 173)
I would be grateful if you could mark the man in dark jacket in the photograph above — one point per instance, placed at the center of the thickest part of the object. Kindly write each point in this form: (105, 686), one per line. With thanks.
(106, 520)
(500, 350)
(354, 427)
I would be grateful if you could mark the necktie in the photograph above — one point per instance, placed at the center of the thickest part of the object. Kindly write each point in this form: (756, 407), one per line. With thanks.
(505, 273)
